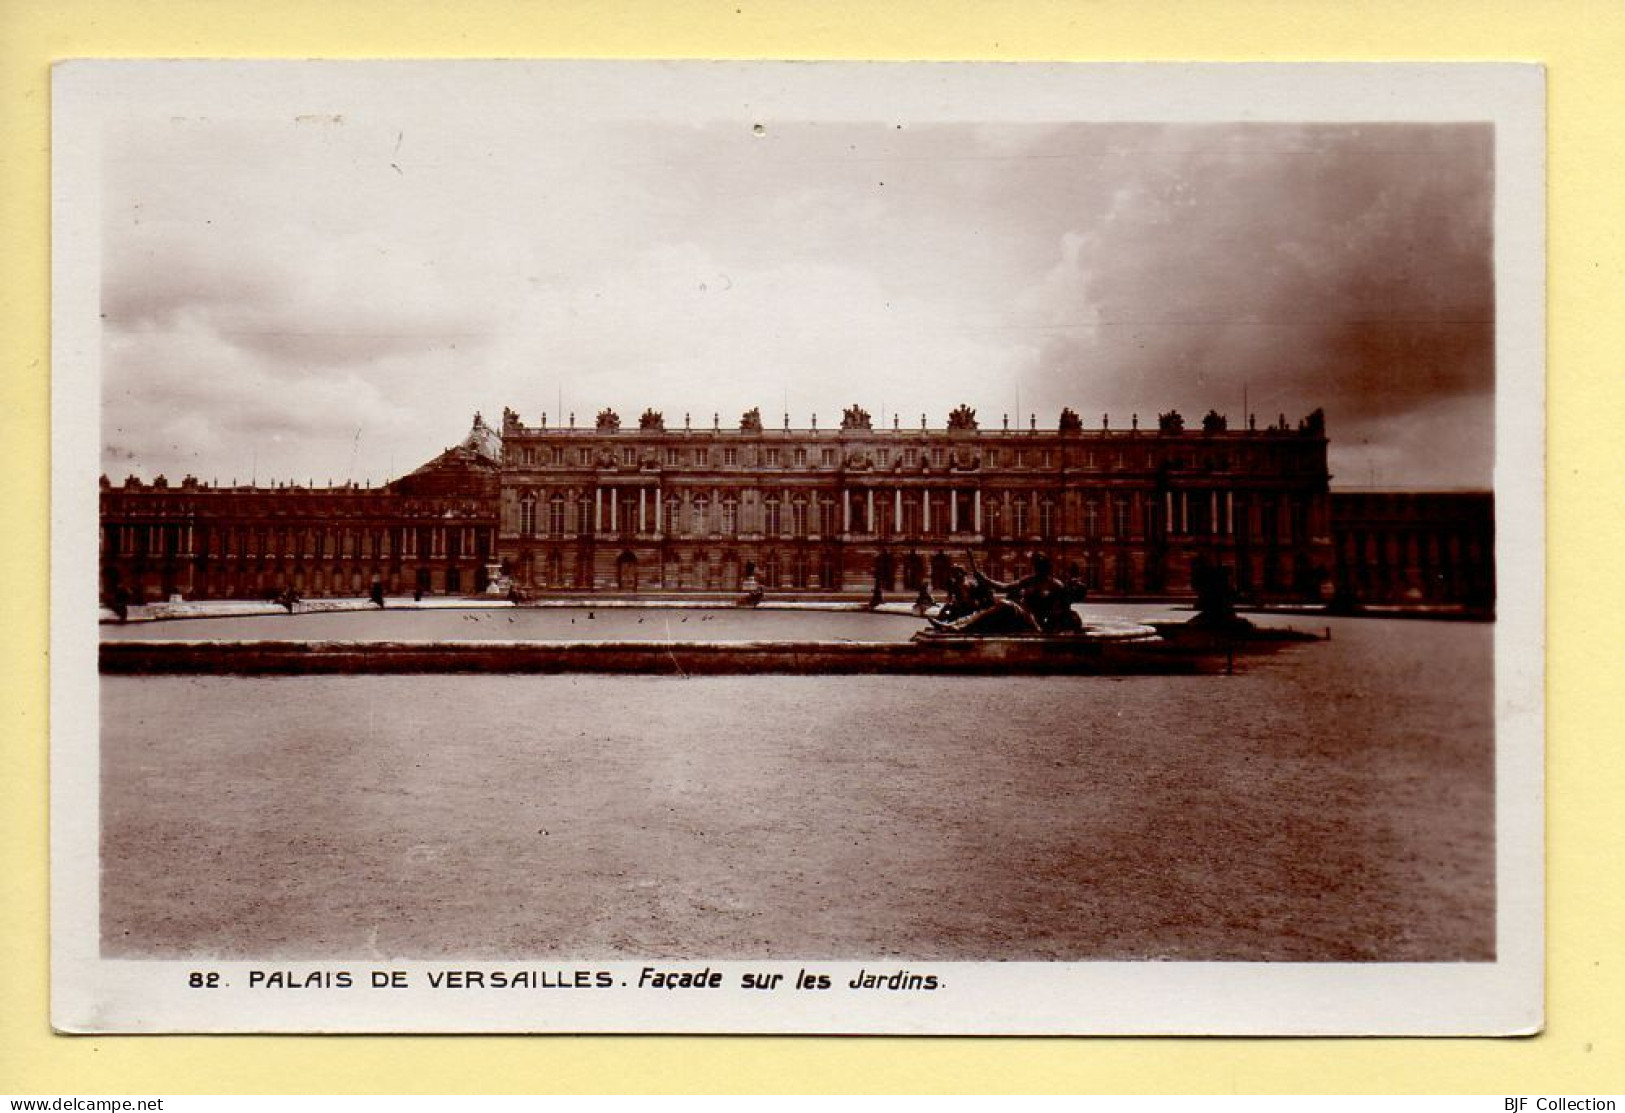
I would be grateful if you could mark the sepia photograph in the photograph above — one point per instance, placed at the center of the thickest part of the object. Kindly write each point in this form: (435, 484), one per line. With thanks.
(797, 547)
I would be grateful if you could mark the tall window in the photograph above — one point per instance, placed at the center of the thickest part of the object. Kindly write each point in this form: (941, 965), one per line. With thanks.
(671, 457)
(1018, 516)
(827, 458)
(911, 457)
(801, 457)
(558, 456)
(772, 457)
(798, 518)
(730, 516)
(730, 457)
(939, 457)
(826, 516)
(555, 516)
(883, 457)
(1091, 519)
(772, 526)
(1120, 517)
(629, 456)
(700, 506)
(992, 513)
(1046, 459)
(584, 523)
(584, 456)
(527, 515)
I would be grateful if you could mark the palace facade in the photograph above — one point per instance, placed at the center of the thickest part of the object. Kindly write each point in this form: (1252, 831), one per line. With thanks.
(1127, 510)
(432, 531)
(1415, 548)
(649, 508)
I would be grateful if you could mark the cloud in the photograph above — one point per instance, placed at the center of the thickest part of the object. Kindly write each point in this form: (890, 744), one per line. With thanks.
(269, 289)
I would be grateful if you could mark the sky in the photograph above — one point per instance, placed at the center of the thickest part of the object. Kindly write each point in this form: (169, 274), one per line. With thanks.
(332, 297)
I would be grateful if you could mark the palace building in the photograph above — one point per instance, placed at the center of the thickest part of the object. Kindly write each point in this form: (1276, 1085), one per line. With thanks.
(432, 531)
(551, 509)
(1126, 510)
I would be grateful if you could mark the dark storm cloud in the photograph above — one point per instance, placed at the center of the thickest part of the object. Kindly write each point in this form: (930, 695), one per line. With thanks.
(1349, 268)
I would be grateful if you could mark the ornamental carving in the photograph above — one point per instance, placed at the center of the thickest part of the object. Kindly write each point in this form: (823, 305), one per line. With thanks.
(1215, 422)
(608, 421)
(1171, 422)
(652, 421)
(751, 420)
(1070, 421)
(856, 417)
(963, 417)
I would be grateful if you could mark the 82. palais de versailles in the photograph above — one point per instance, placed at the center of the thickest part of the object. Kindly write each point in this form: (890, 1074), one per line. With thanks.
(651, 508)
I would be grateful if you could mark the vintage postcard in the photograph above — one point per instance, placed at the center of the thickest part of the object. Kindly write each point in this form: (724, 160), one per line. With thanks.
(797, 548)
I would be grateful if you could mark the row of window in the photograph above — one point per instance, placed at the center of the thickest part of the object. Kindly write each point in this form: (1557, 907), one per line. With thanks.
(884, 458)
(436, 541)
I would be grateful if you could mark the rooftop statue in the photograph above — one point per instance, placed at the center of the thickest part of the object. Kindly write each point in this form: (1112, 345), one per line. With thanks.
(1070, 421)
(751, 420)
(652, 421)
(963, 417)
(856, 417)
(608, 421)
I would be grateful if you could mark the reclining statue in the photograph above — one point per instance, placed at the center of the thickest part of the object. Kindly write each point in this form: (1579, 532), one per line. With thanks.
(1037, 603)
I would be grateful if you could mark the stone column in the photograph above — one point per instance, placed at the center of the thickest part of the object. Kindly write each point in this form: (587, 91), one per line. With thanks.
(643, 510)
(1229, 513)
(976, 510)
(953, 510)
(897, 511)
(925, 510)
(846, 511)
(659, 507)
(870, 523)
(598, 510)
(1213, 512)
(614, 510)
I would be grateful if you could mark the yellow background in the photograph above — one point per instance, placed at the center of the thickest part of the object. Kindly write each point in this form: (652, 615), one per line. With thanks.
(1582, 43)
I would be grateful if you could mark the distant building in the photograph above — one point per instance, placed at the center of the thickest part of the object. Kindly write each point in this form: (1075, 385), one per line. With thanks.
(1414, 548)
(433, 530)
(652, 507)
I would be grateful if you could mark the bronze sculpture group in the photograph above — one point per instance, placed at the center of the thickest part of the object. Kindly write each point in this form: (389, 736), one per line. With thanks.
(1037, 603)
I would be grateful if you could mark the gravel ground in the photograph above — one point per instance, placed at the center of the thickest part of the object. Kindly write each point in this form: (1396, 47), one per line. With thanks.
(1332, 802)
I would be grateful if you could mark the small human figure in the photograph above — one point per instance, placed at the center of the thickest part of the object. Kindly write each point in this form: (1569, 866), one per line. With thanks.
(753, 589)
(288, 599)
(417, 595)
(875, 597)
(377, 593)
(121, 602)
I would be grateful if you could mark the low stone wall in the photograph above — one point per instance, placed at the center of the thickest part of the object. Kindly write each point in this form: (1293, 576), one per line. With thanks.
(965, 656)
